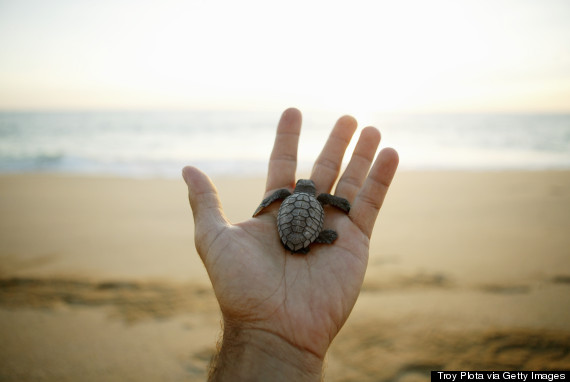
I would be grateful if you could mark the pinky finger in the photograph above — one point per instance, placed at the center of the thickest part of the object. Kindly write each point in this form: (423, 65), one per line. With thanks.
(369, 200)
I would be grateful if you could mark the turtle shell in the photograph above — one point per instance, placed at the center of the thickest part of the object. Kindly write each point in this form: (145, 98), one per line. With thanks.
(300, 220)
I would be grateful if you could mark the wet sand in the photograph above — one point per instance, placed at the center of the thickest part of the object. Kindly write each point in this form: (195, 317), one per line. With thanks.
(99, 279)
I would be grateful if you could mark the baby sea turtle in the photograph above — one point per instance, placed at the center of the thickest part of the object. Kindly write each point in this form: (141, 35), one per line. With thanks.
(301, 215)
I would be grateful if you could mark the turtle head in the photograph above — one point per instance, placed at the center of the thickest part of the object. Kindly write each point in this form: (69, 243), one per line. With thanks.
(306, 185)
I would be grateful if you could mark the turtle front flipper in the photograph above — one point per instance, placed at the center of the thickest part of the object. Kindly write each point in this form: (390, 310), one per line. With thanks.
(336, 201)
(279, 194)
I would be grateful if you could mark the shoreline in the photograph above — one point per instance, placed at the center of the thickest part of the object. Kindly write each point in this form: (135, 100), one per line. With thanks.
(455, 225)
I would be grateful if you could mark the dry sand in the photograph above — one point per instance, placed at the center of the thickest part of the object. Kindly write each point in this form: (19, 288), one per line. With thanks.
(99, 279)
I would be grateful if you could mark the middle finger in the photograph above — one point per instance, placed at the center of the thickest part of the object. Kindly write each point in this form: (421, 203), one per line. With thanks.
(353, 177)
(327, 166)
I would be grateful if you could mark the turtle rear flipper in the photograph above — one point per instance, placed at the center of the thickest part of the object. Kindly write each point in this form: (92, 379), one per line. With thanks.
(279, 194)
(336, 201)
(327, 236)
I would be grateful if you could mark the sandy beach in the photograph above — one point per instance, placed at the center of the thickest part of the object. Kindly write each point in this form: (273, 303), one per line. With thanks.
(100, 281)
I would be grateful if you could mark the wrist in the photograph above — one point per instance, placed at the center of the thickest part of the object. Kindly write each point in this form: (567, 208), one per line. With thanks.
(259, 355)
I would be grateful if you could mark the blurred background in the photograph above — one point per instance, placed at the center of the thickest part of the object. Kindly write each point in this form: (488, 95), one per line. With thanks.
(141, 88)
(103, 102)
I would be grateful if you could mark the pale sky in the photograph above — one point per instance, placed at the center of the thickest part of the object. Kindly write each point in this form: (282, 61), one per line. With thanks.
(352, 56)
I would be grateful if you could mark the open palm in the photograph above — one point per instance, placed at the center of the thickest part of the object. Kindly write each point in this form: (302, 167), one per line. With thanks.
(260, 286)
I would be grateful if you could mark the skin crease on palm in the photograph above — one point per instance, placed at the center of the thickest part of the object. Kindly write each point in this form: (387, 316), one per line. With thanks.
(268, 296)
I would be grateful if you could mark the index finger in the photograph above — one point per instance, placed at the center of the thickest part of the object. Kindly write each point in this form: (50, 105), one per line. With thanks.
(283, 159)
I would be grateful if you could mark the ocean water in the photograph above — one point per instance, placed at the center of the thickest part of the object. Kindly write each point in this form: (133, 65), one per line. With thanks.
(159, 144)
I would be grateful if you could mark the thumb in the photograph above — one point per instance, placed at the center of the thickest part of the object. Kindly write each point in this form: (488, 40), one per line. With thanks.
(209, 219)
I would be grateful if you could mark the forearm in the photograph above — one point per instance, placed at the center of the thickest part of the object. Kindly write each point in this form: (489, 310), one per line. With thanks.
(257, 355)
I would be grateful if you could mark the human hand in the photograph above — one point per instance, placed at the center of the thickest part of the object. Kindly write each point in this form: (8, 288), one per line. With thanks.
(281, 311)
